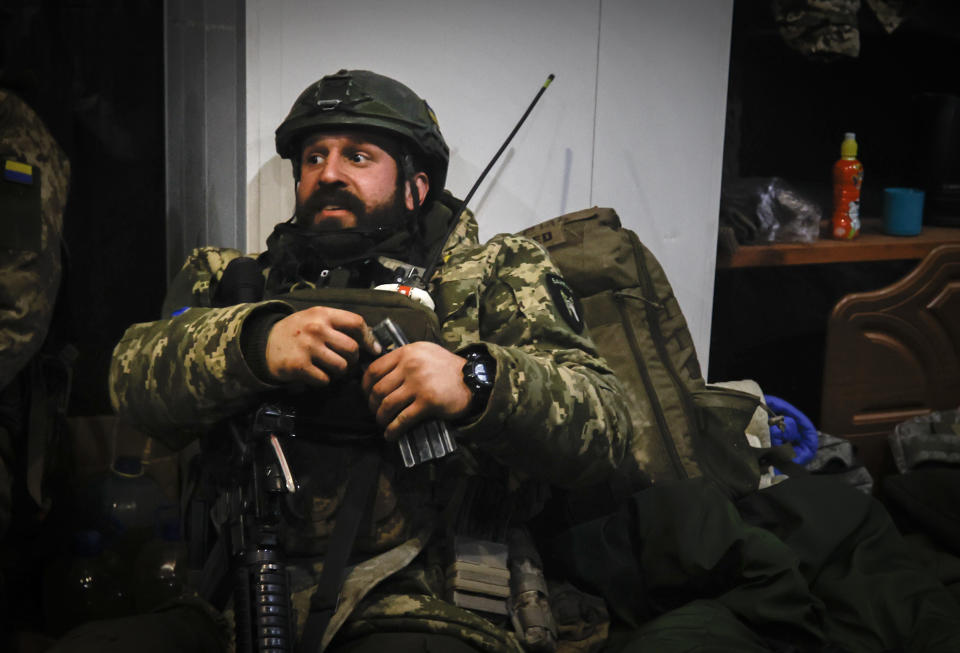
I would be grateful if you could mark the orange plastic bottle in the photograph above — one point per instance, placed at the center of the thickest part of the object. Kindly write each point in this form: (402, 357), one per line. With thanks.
(847, 179)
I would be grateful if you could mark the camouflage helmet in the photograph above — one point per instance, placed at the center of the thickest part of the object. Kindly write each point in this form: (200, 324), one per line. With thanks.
(360, 99)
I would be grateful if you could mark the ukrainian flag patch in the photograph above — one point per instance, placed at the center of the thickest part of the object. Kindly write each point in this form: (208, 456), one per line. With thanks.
(21, 173)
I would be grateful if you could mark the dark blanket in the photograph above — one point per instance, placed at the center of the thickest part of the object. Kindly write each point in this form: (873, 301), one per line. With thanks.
(925, 505)
(809, 564)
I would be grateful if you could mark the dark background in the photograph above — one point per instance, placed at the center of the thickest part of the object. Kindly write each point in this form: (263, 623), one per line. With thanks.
(786, 117)
(93, 71)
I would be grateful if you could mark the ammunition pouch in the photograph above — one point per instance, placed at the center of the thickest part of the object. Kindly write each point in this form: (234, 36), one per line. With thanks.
(417, 321)
(339, 412)
(334, 429)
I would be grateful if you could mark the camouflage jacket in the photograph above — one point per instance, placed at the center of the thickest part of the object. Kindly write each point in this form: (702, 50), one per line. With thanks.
(829, 28)
(33, 194)
(556, 412)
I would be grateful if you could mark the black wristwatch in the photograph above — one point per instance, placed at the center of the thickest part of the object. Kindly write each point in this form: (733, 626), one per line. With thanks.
(478, 374)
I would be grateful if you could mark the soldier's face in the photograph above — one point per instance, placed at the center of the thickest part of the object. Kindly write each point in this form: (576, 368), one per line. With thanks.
(348, 180)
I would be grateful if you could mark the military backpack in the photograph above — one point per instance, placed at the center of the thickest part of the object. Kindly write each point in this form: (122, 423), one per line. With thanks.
(683, 428)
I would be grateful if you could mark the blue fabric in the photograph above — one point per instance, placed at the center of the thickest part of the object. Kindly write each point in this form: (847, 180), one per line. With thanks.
(798, 431)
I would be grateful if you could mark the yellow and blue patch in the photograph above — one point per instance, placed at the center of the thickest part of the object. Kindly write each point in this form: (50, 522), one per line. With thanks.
(21, 173)
(21, 207)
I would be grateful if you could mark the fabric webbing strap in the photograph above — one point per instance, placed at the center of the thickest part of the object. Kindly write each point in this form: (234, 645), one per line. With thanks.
(357, 503)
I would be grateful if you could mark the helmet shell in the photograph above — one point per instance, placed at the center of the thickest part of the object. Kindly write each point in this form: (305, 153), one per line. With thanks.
(360, 99)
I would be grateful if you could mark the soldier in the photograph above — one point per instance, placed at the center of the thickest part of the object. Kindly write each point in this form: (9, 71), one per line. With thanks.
(34, 375)
(33, 194)
(512, 370)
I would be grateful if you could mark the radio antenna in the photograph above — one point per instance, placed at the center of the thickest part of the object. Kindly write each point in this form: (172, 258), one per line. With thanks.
(435, 259)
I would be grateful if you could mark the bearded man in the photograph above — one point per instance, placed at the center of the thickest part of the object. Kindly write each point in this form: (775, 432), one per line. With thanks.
(499, 354)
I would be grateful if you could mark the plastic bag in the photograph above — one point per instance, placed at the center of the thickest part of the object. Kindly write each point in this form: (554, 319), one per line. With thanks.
(768, 209)
(796, 429)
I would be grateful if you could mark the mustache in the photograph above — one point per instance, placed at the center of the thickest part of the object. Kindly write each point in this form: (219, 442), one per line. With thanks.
(331, 195)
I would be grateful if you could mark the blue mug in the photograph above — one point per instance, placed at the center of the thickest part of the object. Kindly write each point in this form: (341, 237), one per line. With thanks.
(902, 211)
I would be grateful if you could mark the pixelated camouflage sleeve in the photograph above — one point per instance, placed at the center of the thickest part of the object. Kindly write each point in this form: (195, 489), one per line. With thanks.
(831, 28)
(176, 377)
(556, 411)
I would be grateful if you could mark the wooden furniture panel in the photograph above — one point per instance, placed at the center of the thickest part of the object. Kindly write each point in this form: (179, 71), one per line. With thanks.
(892, 354)
(871, 245)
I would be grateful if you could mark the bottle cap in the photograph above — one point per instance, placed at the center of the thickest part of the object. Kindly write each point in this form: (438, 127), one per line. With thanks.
(848, 148)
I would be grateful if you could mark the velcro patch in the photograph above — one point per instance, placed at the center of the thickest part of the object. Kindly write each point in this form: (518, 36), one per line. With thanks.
(22, 173)
(566, 301)
(20, 207)
(549, 233)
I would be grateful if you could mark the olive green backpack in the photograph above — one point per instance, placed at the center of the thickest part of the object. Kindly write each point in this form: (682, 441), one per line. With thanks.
(682, 427)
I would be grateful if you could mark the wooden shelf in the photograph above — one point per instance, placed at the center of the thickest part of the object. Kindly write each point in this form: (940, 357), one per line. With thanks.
(870, 245)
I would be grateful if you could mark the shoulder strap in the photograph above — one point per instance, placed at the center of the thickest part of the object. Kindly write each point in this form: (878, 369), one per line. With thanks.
(357, 504)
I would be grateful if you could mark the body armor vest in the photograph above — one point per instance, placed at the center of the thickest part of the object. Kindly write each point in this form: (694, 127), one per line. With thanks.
(333, 427)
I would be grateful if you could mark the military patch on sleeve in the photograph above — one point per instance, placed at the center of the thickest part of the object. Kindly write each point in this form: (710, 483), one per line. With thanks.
(22, 173)
(20, 207)
(566, 301)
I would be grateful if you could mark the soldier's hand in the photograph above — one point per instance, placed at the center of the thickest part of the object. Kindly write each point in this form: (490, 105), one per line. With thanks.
(317, 345)
(415, 382)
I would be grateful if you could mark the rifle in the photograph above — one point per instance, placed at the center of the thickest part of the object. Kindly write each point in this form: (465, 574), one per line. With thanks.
(262, 609)
(252, 510)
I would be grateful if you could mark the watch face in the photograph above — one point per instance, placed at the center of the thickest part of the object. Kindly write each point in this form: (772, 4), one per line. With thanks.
(480, 371)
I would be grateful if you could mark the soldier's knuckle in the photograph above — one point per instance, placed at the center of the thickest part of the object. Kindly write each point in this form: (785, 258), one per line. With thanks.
(313, 327)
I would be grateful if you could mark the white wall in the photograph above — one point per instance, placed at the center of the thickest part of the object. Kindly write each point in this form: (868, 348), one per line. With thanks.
(661, 108)
(634, 119)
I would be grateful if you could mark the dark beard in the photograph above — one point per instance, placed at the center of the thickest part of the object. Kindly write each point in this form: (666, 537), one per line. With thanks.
(387, 217)
(296, 253)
